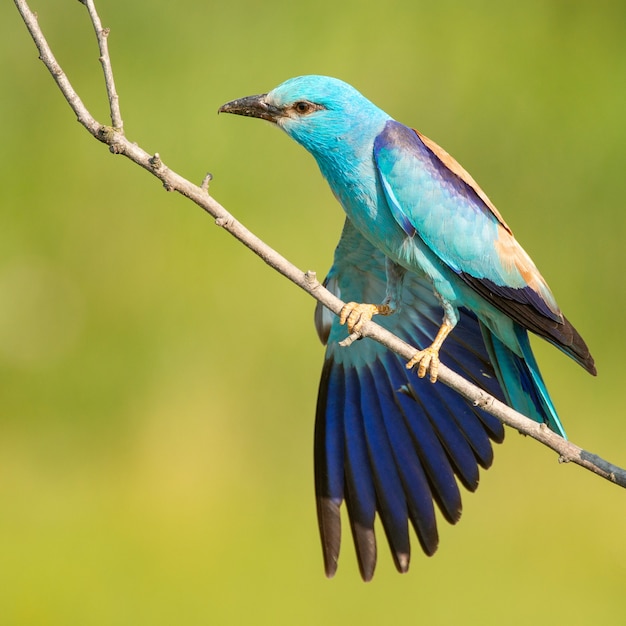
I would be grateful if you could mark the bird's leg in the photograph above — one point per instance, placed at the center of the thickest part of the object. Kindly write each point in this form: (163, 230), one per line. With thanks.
(394, 274)
(428, 359)
(356, 314)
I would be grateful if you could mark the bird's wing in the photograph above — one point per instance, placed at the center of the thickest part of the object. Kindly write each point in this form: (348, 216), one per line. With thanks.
(426, 188)
(432, 197)
(385, 441)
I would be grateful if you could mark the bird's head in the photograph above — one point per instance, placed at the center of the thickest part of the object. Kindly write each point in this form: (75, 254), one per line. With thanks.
(316, 111)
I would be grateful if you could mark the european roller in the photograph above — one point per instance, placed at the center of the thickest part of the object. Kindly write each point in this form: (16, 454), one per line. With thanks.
(423, 248)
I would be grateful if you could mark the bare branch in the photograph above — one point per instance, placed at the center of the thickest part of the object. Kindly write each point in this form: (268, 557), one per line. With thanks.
(114, 137)
(102, 35)
(45, 54)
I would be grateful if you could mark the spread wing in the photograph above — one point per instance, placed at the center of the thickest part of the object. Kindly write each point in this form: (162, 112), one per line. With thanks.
(386, 442)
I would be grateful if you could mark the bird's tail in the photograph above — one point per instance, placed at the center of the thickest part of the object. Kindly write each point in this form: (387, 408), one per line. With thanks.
(521, 380)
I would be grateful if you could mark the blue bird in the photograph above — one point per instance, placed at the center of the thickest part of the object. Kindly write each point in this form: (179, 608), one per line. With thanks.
(424, 248)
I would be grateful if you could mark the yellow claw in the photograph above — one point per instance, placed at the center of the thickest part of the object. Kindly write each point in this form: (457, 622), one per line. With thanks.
(428, 359)
(356, 314)
(428, 362)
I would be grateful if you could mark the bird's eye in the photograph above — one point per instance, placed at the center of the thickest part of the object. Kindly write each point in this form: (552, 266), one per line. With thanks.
(303, 107)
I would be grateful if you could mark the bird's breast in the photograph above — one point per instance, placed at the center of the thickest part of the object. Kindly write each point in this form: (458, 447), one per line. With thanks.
(356, 185)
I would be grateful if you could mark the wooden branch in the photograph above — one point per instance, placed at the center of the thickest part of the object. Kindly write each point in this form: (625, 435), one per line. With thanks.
(102, 34)
(113, 136)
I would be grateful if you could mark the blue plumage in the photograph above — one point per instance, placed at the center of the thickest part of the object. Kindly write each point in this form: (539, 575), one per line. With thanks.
(421, 240)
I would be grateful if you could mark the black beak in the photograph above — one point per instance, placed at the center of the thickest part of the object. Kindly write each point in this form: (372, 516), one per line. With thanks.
(252, 106)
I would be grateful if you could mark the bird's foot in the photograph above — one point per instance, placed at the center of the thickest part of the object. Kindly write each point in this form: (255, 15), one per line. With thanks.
(428, 361)
(355, 315)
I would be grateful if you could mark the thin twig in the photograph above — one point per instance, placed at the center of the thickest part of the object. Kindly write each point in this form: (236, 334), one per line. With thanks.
(114, 137)
(45, 54)
(102, 34)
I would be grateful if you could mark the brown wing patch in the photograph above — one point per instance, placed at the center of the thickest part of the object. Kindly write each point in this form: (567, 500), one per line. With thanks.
(512, 256)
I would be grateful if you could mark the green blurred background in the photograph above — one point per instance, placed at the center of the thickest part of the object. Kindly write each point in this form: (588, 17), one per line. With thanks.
(158, 382)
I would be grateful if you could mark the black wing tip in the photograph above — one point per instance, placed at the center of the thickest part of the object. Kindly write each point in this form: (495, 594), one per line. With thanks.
(577, 348)
(366, 553)
(329, 521)
(590, 366)
(367, 570)
(526, 313)
(330, 567)
(429, 544)
(402, 561)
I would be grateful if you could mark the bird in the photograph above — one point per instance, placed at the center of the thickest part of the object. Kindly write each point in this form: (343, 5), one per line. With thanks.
(425, 250)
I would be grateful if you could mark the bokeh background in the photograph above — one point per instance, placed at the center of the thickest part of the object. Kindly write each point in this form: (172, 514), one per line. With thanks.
(158, 382)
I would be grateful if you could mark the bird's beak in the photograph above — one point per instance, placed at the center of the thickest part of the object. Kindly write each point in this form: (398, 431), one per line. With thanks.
(252, 106)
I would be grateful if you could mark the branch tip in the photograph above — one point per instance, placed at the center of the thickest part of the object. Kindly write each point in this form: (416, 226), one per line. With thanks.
(310, 278)
(205, 182)
(483, 401)
(349, 340)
